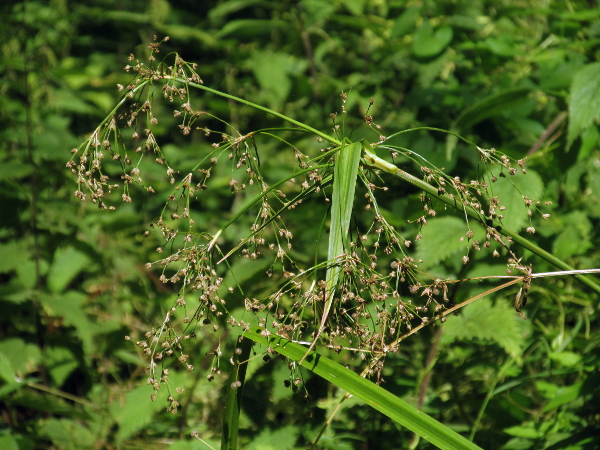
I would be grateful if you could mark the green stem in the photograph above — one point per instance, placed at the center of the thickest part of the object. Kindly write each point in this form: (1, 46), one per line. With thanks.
(257, 106)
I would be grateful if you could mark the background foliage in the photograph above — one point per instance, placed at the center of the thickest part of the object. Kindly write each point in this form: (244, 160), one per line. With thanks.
(520, 76)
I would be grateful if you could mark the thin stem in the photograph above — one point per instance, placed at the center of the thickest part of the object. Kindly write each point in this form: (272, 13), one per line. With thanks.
(325, 136)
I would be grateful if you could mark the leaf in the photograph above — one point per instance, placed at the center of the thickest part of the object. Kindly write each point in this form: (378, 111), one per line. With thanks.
(510, 191)
(373, 395)
(281, 439)
(7, 372)
(60, 363)
(564, 395)
(574, 239)
(70, 306)
(135, 412)
(342, 201)
(22, 357)
(68, 263)
(67, 434)
(442, 239)
(567, 359)
(584, 102)
(12, 255)
(488, 322)
(273, 70)
(488, 107)
(8, 442)
(428, 43)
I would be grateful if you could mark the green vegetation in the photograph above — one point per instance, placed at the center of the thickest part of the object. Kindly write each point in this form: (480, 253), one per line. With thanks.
(297, 187)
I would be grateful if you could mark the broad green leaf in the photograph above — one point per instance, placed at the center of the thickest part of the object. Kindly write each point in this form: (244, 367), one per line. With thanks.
(487, 322)
(510, 191)
(67, 433)
(355, 6)
(590, 139)
(493, 105)
(375, 396)
(136, 410)
(527, 432)
(584, 102)
(70, 306)
(250, 27)
(7, 372)
(273, 70)
(60, 363)
(564, 395)
(12, 255)
(8, 442)
(23, 357)
(442, 239)
(567, 359)
(574, 239)
(405, 23)
(490, 106)
(68, 263)
(222, 10)
(281, 439)
(428, 43)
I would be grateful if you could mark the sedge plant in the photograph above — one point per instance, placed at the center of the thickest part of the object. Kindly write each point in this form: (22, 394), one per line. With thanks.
(360, 289)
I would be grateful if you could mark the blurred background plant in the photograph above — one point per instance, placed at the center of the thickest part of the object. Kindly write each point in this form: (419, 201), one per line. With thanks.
(513, 75)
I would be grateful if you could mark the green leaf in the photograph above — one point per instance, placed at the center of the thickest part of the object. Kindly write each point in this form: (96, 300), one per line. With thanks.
(67, 434)
(584, 102)
(342, 201)
(8, 442)
(564, 395)
(70, 306)
(281, 439)
(442, 239)
(135, 411)
(60, 363)
(22, 357)
(567, 359)
(7, 372)
(428, 43)
(487, 322)
(273, 70)
(68, 263)
(510, 191)
(375, 396)
(488, 107)
(12, 255)
(527, 432)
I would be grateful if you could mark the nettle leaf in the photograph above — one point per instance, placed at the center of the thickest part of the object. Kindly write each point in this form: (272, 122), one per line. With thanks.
(273, 70)
(584, 104)
(487, 322)
(510, 191)
(22, 357)
(281, 439)
(68, 263)
(442, 239)
(61, 363)
(574, 239)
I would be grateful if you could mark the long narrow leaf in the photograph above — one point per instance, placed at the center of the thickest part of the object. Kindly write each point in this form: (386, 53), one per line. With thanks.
(345, 172)
(342, 199)
(375, 396)
(233, 404)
